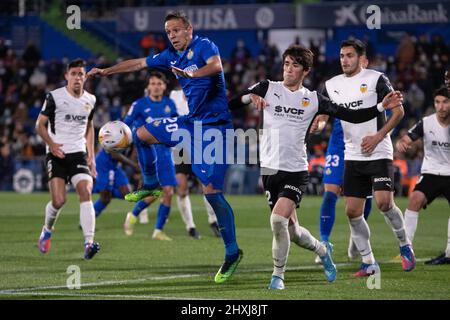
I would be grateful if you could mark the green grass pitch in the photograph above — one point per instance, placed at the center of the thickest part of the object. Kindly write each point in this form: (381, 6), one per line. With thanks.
(138, 267)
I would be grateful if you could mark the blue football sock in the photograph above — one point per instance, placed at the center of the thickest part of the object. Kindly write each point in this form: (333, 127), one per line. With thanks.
(225, 219)
(327, 214)
(367, 208)
(163, 213)
(141, 205)
(147, 160)
(99, 206)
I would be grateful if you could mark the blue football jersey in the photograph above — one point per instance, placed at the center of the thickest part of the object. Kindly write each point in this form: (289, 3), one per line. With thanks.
(145, 110)
(105, 162)
(337, 136)
(206, 96)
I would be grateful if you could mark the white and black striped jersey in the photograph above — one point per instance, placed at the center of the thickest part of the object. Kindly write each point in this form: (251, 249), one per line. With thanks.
(436, 144)
(361, 91)
(286, 122)
(180, 101)
(68, 118)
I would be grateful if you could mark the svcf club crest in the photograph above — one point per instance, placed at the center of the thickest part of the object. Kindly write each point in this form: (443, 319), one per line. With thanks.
(305, 102)
(363, 88)
(190, 54)
(167, 109)
(156, 123)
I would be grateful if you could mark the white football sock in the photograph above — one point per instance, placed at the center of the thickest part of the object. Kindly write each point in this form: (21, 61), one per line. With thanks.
(447, 251)
(87, 220)
(280, 244)
(51, 215)
(303, 238)
(360, 233)
(394, 218)
(352, 250)
(209, 209)
(184, 205)
(411, 218)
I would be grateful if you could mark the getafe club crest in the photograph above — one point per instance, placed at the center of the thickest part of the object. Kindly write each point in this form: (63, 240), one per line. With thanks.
(190, 54)
(363, 88)
(305, 102)
(167, 109)
(156, 123)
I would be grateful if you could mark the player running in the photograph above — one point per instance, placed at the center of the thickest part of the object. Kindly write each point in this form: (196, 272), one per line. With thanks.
(65, 124)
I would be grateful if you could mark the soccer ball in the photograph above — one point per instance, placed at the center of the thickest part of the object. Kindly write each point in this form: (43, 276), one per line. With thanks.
(115, 136)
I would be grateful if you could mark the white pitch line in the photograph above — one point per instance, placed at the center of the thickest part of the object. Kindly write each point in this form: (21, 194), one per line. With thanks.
(103, 283)
(99, 295)
(25, 291)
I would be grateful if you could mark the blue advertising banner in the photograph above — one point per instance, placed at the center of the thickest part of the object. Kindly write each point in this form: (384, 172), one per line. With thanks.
(223, 17)
(391, 13)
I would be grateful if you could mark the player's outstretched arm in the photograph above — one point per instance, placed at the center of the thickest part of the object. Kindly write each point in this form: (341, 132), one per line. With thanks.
(124, 66)
(255, 94)
(390, 101)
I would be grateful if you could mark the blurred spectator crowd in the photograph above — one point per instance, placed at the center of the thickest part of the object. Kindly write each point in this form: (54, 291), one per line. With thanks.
(416, 69)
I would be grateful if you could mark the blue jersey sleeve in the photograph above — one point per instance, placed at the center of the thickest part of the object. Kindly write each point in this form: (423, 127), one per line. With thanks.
(131, 115)
(159, 61)
(208, 49)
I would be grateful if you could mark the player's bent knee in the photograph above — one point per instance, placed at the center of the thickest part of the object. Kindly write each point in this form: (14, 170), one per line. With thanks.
(416, 201)
(385, 206)
(58, 202)
(83, 185)
(353, 212)
(168, 191)
(182, 193)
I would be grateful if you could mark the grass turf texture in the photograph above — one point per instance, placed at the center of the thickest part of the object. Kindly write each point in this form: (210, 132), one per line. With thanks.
(138, 267)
